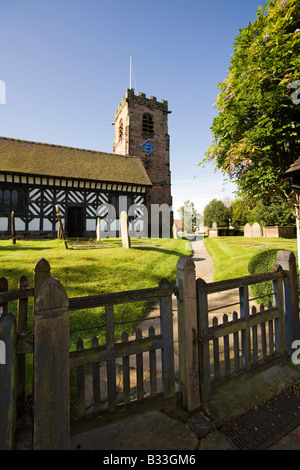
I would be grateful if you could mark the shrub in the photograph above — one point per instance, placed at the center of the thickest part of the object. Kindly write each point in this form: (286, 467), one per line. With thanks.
(260, 263)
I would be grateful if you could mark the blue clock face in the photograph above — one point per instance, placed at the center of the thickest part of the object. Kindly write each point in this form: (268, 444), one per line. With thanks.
(148, 147)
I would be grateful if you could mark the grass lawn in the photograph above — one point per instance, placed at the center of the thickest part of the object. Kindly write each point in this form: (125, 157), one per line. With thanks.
(231, 255)
(104, 267)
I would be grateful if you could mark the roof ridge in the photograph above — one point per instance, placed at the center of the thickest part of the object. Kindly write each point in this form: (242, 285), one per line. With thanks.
(66, 147)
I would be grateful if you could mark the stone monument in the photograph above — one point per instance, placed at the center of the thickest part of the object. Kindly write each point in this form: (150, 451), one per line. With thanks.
(124, 229)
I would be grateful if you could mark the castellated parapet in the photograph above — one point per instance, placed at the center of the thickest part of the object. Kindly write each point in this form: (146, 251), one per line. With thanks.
(142, 99)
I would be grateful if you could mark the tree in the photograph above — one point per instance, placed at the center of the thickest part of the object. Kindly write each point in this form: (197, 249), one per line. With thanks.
(216, 211)
(276, 213)
(240, 210)
(189, 216)
(256, 133)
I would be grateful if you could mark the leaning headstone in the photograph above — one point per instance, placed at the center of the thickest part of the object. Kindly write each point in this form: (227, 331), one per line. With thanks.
(124, 229)
(174, 228)
(247, 230)
(256, 230)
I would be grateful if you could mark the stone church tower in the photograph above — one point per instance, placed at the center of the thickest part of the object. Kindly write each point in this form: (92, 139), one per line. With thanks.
(141, 130)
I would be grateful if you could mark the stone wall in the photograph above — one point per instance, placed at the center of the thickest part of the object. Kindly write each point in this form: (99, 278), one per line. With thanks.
(269, 232)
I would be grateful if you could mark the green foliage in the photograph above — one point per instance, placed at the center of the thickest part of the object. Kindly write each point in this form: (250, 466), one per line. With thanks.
(216, 211)
(256, 133)
(260, 263)
(239, 213)
(274, 213)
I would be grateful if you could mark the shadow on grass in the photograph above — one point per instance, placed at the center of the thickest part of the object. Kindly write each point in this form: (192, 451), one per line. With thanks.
(159, 250)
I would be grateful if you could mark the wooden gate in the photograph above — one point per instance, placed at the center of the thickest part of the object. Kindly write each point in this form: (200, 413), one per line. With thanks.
(48, 344)
(246, 339)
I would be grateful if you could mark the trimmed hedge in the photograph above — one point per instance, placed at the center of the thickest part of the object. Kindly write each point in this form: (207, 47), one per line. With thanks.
(260, 263)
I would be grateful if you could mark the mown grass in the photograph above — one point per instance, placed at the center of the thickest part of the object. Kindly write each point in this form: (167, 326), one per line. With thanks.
(89, 268)
(232, 255)
(103, 268)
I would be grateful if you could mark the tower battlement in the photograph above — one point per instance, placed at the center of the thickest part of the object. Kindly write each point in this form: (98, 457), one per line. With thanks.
(142, 99)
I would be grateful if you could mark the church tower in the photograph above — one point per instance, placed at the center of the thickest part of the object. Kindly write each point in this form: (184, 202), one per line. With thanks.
(141, 130)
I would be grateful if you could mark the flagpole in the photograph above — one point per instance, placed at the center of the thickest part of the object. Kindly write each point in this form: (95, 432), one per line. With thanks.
(130, 74)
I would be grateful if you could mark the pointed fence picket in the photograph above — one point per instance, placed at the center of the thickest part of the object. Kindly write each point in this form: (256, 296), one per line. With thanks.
(48, 343)
(126, 394)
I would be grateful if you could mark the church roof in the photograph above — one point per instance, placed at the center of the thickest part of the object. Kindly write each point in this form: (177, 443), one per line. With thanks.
(21, 156)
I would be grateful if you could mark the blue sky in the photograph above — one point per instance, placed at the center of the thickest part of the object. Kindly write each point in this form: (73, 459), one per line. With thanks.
(65, 64)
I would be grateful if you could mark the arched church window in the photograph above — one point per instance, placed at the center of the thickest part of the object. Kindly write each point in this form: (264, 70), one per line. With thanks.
(148, 125)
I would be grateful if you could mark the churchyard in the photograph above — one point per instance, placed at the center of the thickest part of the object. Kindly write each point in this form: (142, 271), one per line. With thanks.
(89, 267)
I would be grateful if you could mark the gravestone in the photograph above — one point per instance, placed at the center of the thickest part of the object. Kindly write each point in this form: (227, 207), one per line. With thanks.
(247, 230)
(214, 225)
(256, 230)
(174, 228)
(98, 233)
(124, 229)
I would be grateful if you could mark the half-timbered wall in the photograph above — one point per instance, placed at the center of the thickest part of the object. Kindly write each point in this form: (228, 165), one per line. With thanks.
(39, 217)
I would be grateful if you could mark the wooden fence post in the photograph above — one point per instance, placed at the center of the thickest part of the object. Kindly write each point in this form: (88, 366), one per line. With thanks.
(51, 368)
(8, 357)
(204, 356)
(21, 360)
(287, 261)
(167, 355)
(188, 333)
(42, 272)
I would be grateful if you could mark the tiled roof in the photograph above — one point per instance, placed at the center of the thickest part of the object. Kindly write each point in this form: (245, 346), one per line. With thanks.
(21, 156)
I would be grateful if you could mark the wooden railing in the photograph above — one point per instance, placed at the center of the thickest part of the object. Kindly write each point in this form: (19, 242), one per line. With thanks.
(52, 360)
(213, 353)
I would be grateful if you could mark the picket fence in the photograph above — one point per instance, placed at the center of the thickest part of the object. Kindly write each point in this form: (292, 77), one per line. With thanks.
(211, 354)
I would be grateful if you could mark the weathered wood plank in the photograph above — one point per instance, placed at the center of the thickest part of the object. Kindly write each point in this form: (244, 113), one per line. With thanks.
(236, 345)
(93, 301)
(254, 338)
(287, 260)
(3, 300)
(280, 333)
(8, 341)
(226, 348)
(263, 337)
(126, 372)
(21, 327)
(51, 368)
(96, 380)
(216, 352)
(238, 325)
(15, 294)
(152, 363)
(139, 369)
(244, 309)
(188, 333)
(102, 353)
(81, 407)
(204, 363)
(110, 362)
(42, 273)
(167, 353)
(275, 273)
